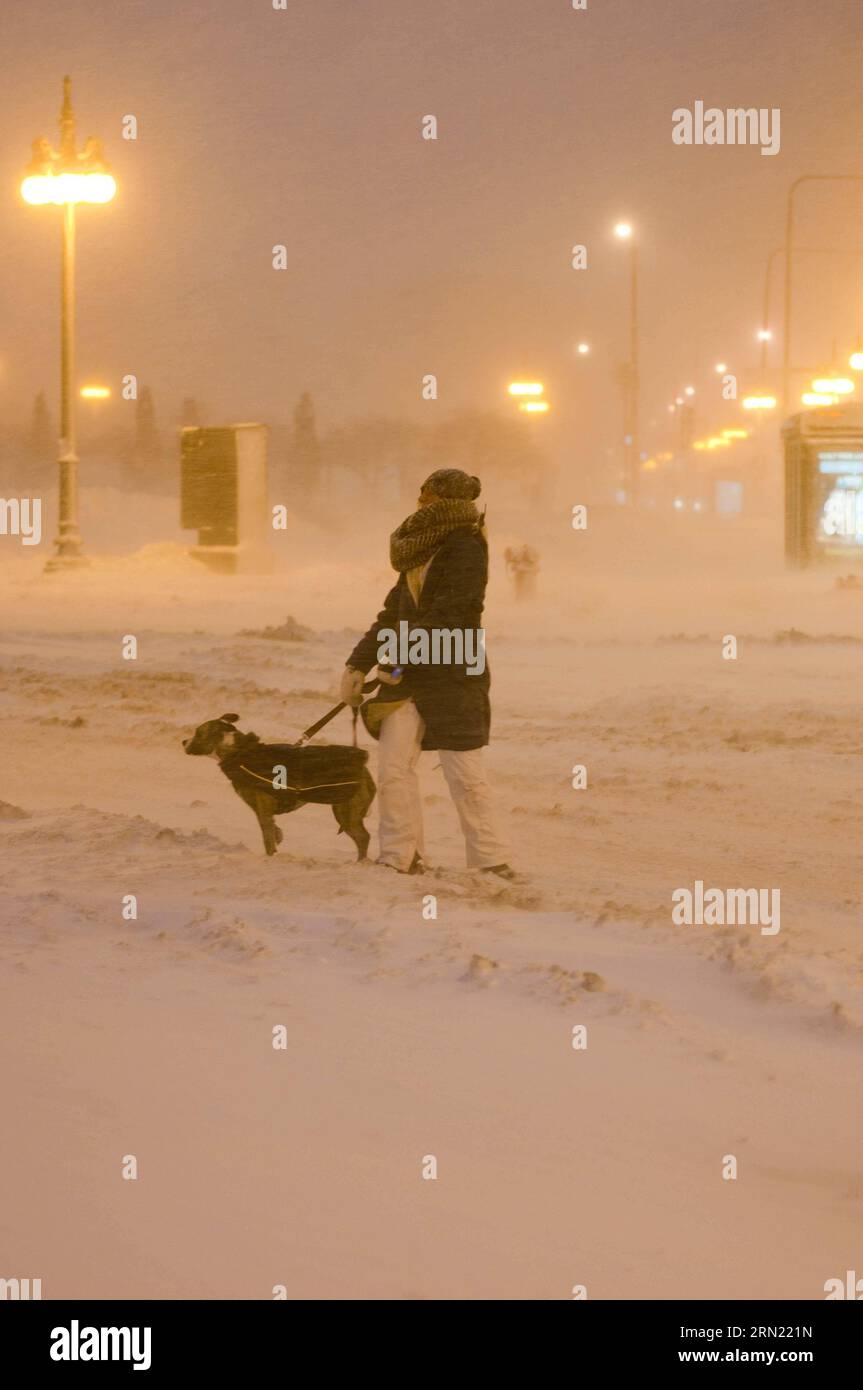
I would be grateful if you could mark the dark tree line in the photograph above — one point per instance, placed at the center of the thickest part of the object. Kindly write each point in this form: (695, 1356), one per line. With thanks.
(374, 460)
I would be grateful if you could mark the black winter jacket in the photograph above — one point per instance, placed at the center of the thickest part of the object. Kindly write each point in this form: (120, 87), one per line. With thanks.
(453, 704)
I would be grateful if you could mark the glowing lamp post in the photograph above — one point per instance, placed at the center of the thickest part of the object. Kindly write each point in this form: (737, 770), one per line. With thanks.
(62, 178)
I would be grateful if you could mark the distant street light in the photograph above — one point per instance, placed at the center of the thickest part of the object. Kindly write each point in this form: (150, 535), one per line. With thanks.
(584, 348)
(855, 361)
(525, 388)
(624, 232)
(95, 393)
(765, 335)
(63, 178)
(816, 398)
(833, 385)
(534, 407)
(759, 403)
(690, 391)
(720, 368)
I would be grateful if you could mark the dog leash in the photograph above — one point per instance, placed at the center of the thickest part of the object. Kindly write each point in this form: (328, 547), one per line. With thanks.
(337, 709)
(367, 689)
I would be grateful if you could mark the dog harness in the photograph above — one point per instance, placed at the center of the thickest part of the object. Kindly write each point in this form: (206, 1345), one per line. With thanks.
(312, 787)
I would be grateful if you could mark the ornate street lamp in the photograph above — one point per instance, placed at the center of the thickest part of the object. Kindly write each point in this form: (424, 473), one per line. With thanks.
(63, 178)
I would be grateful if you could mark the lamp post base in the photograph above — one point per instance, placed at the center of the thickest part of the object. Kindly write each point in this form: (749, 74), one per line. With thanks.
(68, 541)
(65, 562)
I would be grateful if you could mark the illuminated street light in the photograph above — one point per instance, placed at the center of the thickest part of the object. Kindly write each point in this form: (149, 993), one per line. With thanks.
(833, 386)
(678, 400)
(95, 393)
(734, 434)
(764, 335)
(623, 230)
(525, 388)
(855, 361)
(62, 178)
(720, 368)
(534, 407)
(584, 348)
(59, 188)
(816, 398)
(690, 391)
(759, 403)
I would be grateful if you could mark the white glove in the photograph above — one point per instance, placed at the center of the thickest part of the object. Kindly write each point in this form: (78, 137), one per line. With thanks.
(351, 691)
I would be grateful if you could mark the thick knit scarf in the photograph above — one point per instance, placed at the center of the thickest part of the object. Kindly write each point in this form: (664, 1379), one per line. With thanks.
(420, 534)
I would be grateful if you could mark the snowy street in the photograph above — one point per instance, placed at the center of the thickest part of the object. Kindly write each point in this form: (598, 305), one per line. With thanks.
(410, 1035)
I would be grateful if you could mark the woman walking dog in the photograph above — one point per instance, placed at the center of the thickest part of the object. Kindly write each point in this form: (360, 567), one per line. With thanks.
(441, 556)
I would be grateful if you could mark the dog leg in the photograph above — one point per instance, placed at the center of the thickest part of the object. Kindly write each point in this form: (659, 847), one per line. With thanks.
(349, 814)
(264, 806)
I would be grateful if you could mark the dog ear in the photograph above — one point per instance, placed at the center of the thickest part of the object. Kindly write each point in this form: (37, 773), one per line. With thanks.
(229, 718)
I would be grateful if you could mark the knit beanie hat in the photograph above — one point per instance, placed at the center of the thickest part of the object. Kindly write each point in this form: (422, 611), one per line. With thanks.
(453, 483)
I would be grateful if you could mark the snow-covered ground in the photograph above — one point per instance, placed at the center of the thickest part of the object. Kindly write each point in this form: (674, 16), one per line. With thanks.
(410, 1036)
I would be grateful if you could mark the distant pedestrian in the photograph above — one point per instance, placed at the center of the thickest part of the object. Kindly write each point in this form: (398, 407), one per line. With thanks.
(522, 565)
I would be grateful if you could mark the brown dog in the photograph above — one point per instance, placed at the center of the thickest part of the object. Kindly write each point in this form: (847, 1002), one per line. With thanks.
(277, 778)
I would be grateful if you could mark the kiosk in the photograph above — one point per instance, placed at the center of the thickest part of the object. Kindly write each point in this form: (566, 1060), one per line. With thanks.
(223, 495)
(824, 485)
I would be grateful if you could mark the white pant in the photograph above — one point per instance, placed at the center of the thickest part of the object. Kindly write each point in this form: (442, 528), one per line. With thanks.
(401, 824)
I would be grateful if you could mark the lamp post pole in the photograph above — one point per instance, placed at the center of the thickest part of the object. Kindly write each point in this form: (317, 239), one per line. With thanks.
(624, 231)
(65, 177)
(632, 422)
(68, 542)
